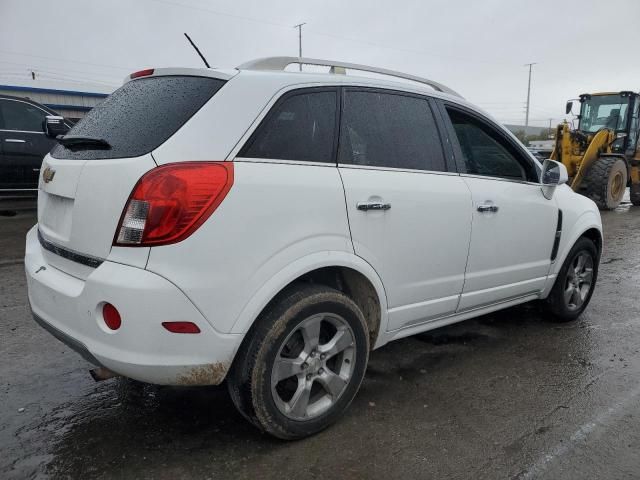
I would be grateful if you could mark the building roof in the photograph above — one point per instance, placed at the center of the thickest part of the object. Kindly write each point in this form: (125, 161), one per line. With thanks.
(19, 88)
(70, 99)
(57, 87)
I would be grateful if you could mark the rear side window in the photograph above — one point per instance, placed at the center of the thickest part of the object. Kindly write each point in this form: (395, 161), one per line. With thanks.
(389, 130)
(300, 127)
(486, 152)
(15, 115)
(140, 116)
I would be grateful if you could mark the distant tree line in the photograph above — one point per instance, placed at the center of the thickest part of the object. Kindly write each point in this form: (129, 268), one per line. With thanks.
(544, 135)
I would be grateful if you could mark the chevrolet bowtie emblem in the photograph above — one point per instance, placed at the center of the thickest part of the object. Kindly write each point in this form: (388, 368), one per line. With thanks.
(48, 174)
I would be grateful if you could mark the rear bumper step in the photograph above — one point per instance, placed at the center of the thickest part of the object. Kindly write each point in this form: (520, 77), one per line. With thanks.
(70, 342)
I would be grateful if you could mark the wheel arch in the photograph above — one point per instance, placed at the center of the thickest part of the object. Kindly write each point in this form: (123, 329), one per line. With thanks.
(595, 236)
(341, 270)
(587, 225)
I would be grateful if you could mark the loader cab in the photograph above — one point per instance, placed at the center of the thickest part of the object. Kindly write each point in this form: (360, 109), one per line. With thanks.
(615, 111)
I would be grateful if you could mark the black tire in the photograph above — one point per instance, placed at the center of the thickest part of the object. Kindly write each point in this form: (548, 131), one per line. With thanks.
(557, 305)
(249, 380)
(634, 195)
(606, 181)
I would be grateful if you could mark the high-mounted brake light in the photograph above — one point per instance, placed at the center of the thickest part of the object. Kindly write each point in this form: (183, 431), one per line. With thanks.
(170, 202)
(141, 73)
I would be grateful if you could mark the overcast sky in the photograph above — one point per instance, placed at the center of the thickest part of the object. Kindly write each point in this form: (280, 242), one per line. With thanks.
(478, 48)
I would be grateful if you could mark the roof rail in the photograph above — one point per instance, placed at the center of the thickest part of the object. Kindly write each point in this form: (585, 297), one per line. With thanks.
(280, 63)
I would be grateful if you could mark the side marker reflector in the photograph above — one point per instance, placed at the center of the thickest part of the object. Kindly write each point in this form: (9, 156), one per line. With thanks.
(181, 327)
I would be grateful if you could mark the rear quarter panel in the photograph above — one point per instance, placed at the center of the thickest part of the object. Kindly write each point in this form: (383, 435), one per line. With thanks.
(274, 215)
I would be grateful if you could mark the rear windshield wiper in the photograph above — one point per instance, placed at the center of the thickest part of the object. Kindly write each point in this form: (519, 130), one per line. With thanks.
(75, 141)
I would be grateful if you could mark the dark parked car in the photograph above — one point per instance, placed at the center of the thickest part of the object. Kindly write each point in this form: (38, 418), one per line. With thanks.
(27, 133)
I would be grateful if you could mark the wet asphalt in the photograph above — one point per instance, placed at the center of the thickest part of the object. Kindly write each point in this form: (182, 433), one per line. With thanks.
(508, 395)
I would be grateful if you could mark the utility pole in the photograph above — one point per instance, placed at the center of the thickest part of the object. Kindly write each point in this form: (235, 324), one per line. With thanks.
(530, 65)
(299, 27)
(549, 134)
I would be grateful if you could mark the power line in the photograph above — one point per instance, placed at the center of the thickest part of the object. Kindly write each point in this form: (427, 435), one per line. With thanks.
(63, 72)
(333, 35)
(261, 21)
(224, 14)
(104, 65)
(30, 66)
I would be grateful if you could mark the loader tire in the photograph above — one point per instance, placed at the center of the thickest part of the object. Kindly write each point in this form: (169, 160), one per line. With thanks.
(635, 195)
(606, 181)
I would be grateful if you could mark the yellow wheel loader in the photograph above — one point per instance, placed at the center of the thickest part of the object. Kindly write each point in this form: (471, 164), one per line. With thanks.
(602, 155)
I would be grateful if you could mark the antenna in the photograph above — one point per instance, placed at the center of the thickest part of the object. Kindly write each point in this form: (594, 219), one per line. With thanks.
(197, 50)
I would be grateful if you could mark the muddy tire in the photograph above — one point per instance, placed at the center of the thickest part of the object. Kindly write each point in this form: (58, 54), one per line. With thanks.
(302, 362)
(575, 282)
(634, 195)
(606, 181)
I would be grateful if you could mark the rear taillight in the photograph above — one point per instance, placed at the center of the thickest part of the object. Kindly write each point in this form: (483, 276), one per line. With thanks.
(170, 202)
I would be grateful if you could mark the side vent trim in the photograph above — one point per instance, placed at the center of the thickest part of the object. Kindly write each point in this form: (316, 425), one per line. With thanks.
(556, 241)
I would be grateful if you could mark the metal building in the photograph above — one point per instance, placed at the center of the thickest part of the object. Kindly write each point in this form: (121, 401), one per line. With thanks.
(69, 101)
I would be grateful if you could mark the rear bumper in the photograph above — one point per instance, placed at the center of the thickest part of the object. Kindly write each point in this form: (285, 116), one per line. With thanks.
(71, 310)
(70, 342)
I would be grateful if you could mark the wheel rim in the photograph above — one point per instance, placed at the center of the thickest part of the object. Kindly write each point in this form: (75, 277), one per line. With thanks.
(313, 366)
(617, 185)
(578, 281)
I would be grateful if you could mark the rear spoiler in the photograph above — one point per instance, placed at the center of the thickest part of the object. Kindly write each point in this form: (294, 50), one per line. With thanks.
(222, 74)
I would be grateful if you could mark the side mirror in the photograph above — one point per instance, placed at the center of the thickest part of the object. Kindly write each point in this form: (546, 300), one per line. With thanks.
(54, 125)
(569, 107)
(553, 174)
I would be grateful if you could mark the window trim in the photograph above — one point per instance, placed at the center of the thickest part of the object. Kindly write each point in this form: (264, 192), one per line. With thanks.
(445, 136)
(28, 103)
(457, 150)
(396, 169)
(20, 131)
(448, 166)
(264, 121)
(283, 162)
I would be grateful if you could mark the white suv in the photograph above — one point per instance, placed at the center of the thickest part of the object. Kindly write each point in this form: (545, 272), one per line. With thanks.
(271, 228)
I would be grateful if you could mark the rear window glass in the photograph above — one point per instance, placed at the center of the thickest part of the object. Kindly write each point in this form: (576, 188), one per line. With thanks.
(140, 116)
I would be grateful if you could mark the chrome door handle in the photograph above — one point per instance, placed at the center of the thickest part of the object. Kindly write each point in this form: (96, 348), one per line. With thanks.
(14, 140)
(364, 206)
(487, 208)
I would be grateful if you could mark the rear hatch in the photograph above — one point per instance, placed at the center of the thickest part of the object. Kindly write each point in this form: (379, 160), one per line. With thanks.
(84, 187)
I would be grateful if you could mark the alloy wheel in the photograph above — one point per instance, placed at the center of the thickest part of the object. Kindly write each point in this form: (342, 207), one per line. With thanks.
(578, 280)
(313, 367)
